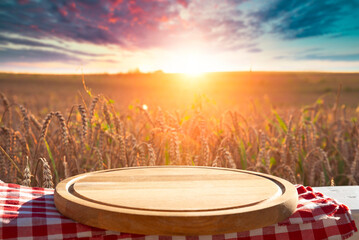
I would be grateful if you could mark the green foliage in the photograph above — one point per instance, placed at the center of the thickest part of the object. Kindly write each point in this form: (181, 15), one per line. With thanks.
(280, 121)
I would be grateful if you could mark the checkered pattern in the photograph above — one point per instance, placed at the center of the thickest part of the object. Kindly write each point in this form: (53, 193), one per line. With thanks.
(30, 213)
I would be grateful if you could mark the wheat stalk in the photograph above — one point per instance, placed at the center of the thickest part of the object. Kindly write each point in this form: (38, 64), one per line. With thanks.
(35, 122)
(66, 168)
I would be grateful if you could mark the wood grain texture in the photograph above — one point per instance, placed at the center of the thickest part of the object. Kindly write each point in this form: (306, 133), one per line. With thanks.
(176, 200)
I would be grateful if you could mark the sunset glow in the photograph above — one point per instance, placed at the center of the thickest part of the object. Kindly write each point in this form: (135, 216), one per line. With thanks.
(186, 36)
(189, 63)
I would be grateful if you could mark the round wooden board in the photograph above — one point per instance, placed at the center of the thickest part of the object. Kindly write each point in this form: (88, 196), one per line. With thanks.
(176, 200)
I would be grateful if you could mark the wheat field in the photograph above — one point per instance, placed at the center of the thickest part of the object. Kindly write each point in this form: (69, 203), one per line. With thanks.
(314, 145)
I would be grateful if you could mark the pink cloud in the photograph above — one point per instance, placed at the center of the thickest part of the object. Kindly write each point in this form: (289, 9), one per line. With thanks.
(184, 3)
(72, 7)
(63, 11)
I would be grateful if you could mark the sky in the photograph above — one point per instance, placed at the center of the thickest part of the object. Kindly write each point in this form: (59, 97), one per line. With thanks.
(112, 36)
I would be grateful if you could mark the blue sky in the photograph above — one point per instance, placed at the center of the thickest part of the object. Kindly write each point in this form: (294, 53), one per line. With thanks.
(178, 35)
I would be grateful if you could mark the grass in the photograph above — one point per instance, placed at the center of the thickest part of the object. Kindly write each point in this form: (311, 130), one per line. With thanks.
(312, 144)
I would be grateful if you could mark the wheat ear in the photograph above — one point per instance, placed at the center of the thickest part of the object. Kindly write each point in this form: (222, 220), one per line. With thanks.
(174, 147)
(25, 120)
(91, 114)
(288, 172)
(45, 125)
(99, 158)
(27, 174)
(204, 150)
(106, 113)
(65, 135)
(229, 159)
(84, 126)
(7, 108)
(46, 174)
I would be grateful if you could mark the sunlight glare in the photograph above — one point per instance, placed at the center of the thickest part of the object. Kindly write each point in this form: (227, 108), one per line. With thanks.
(190, 63)
(193, 65)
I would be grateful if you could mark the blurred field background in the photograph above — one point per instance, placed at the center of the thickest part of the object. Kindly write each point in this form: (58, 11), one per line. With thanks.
(299, 126)
(227, 90)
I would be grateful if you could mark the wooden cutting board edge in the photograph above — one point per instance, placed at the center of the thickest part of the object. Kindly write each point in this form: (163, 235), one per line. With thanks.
(148, 222)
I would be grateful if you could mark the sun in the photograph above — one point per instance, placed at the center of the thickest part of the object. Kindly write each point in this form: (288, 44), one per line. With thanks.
(190, 63)
(193, 64)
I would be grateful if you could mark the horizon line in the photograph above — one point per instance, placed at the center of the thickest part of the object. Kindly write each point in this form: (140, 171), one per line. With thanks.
(180, 73)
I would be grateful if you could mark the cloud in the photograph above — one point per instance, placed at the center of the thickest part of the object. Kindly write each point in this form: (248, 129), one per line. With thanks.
(134, 25)
(293, 19)
(254, 50)
(7, 40)
(30, 55)
(219, 24)
(354, 57)
(335, 58)
(128, 24)
(125, 23)
(32, 43)
(310, 50)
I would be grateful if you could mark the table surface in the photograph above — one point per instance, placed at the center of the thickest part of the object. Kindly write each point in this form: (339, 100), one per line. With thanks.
(349, 195)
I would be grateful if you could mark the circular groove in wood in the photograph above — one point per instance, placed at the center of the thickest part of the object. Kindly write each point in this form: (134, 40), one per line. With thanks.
(176, 189)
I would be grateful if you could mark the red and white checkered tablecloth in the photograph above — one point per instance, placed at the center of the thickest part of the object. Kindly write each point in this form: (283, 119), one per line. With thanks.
(30, 213)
